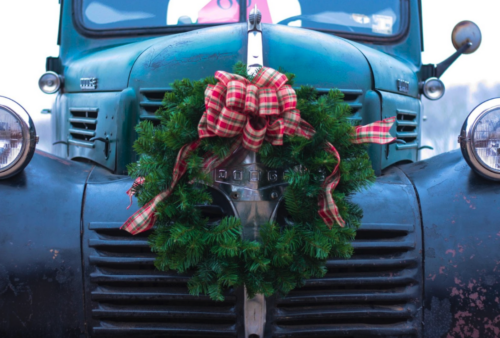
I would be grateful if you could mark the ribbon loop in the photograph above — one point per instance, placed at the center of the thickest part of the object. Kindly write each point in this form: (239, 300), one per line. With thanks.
(287, 98)
(252, 100)
(275, 132)
(226, 77)
(217, 97)
(268, 102)
(236, 92)
(268, 77)
(230, 123)
(291, 119)
(253, 137)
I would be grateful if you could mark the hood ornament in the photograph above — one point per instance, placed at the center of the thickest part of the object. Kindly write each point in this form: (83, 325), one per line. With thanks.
(255, 59)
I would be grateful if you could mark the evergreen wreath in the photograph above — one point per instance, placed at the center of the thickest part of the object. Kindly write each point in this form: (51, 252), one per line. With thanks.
(286, 255)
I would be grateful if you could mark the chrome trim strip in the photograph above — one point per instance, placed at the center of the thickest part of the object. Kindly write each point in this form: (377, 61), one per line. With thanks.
(255, 59)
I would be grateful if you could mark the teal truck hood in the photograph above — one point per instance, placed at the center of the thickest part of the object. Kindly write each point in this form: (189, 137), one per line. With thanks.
(318, 59)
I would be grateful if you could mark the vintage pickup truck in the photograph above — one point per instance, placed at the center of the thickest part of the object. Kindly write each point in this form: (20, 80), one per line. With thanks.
(426, 261)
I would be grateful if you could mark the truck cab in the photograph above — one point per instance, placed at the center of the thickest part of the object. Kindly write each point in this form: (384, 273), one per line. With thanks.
(424, 262)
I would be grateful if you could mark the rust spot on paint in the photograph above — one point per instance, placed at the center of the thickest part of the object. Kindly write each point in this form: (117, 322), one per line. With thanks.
(56, 252)
(441, 270)
(450, 251)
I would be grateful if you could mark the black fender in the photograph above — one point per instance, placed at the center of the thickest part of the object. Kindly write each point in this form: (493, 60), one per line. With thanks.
(41, 291)
(461, 227)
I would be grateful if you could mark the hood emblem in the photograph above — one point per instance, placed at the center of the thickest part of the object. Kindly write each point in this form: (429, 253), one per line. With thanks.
(88, 83)
(403, 86)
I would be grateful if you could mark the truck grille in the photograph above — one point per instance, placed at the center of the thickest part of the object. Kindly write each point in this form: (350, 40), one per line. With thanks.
(371, 294)
(151, 98)
(131, 298)
(376, 293)
(83, 123)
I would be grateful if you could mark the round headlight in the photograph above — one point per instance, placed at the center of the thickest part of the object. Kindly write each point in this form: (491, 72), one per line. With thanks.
(17, 138)
(50, 82)
(480, 139)
(433, 88)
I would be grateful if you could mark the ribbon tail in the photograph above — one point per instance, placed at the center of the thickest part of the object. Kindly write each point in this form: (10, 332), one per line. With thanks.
(328, 210)
(376, 132)
(144, 218)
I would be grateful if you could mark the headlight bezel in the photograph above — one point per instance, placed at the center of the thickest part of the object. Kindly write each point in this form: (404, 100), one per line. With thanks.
(466, 139)
(28, 136)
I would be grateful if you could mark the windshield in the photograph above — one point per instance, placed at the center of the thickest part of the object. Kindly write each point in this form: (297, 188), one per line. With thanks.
(368, 17)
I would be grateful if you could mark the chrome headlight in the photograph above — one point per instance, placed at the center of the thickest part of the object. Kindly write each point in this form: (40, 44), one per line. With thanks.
(480, 139)
(433, 88)
(17, 138)
(50, 82)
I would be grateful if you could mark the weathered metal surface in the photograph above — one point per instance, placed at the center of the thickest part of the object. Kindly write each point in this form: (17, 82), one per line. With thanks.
(387, 70)
(460, 213)
(41, 291)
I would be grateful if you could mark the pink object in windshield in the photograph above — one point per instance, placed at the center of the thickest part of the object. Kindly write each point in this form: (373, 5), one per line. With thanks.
(224, 11)
(220, 11)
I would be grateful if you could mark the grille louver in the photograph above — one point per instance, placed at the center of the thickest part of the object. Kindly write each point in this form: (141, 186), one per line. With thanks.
(83, 123)
(371, 294)
(132, 298)
(406, 129)
(151, 99)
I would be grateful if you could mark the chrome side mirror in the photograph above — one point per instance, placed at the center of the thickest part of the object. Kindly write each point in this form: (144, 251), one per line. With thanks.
(466, 32)
(466, 38)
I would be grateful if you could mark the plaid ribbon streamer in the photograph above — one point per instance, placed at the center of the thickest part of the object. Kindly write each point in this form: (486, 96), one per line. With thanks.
(328, 210)
(145, 218)
(376, 132)
(264, 108)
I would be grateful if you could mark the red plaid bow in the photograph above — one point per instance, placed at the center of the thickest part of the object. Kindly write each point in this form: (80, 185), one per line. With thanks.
(264, 108)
